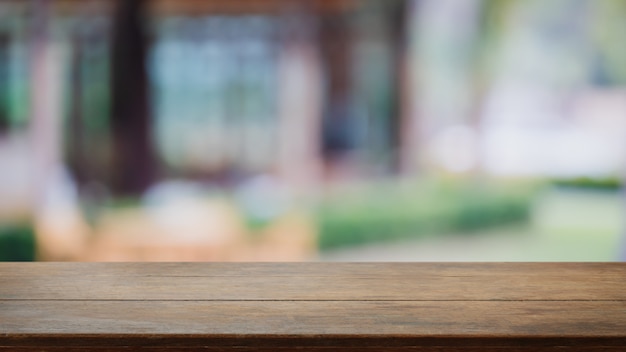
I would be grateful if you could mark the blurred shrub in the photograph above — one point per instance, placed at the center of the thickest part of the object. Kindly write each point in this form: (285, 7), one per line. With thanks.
(17, 243)
(390, 212)
(607, 183)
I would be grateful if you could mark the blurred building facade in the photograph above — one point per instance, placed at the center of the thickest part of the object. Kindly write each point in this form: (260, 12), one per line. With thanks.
(128, 92)
(107, 98)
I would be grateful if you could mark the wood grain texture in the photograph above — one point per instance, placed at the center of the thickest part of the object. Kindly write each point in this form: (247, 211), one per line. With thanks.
(314, 281)
(313, 307)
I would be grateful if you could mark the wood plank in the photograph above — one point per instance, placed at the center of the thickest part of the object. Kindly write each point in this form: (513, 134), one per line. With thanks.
(286, 318)
(280, 323)
(314, 281)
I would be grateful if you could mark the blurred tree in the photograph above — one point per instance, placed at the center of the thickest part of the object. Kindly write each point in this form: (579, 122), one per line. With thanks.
(134, 161)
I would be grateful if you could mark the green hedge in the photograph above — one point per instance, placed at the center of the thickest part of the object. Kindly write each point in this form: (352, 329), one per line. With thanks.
(17, 243)
(607, 183)
(392, 212)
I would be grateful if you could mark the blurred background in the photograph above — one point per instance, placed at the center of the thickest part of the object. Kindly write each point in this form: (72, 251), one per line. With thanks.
(339, 130)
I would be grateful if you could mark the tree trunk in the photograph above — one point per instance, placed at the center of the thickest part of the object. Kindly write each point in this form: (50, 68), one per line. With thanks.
(338, 120)
(134, 161)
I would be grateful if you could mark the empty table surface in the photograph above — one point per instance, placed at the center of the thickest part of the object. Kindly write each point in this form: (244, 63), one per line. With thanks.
(313, 306)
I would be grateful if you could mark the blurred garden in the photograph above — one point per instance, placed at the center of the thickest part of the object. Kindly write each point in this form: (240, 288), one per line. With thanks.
(335, 130)
(417, 221)
(562, 224)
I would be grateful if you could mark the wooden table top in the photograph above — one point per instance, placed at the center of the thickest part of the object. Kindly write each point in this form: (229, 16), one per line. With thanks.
(313, 306)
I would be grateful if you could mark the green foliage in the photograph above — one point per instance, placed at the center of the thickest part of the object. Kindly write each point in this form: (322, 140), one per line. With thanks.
(393, 212)
(17, 243)
(492, 25)
(605, 183)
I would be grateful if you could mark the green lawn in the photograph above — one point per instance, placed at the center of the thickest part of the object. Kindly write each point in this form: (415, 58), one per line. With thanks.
(579, 224)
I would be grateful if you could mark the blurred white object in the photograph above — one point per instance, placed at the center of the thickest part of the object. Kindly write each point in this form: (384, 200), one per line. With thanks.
(586, 137)
(16, 178)
(263, 198)
(455, 148)
(59, 224)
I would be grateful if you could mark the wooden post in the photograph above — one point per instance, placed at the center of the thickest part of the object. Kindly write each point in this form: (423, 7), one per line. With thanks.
(338, 122)
(402, 122)
(5, 42)
(134, 159)
(77, 151)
